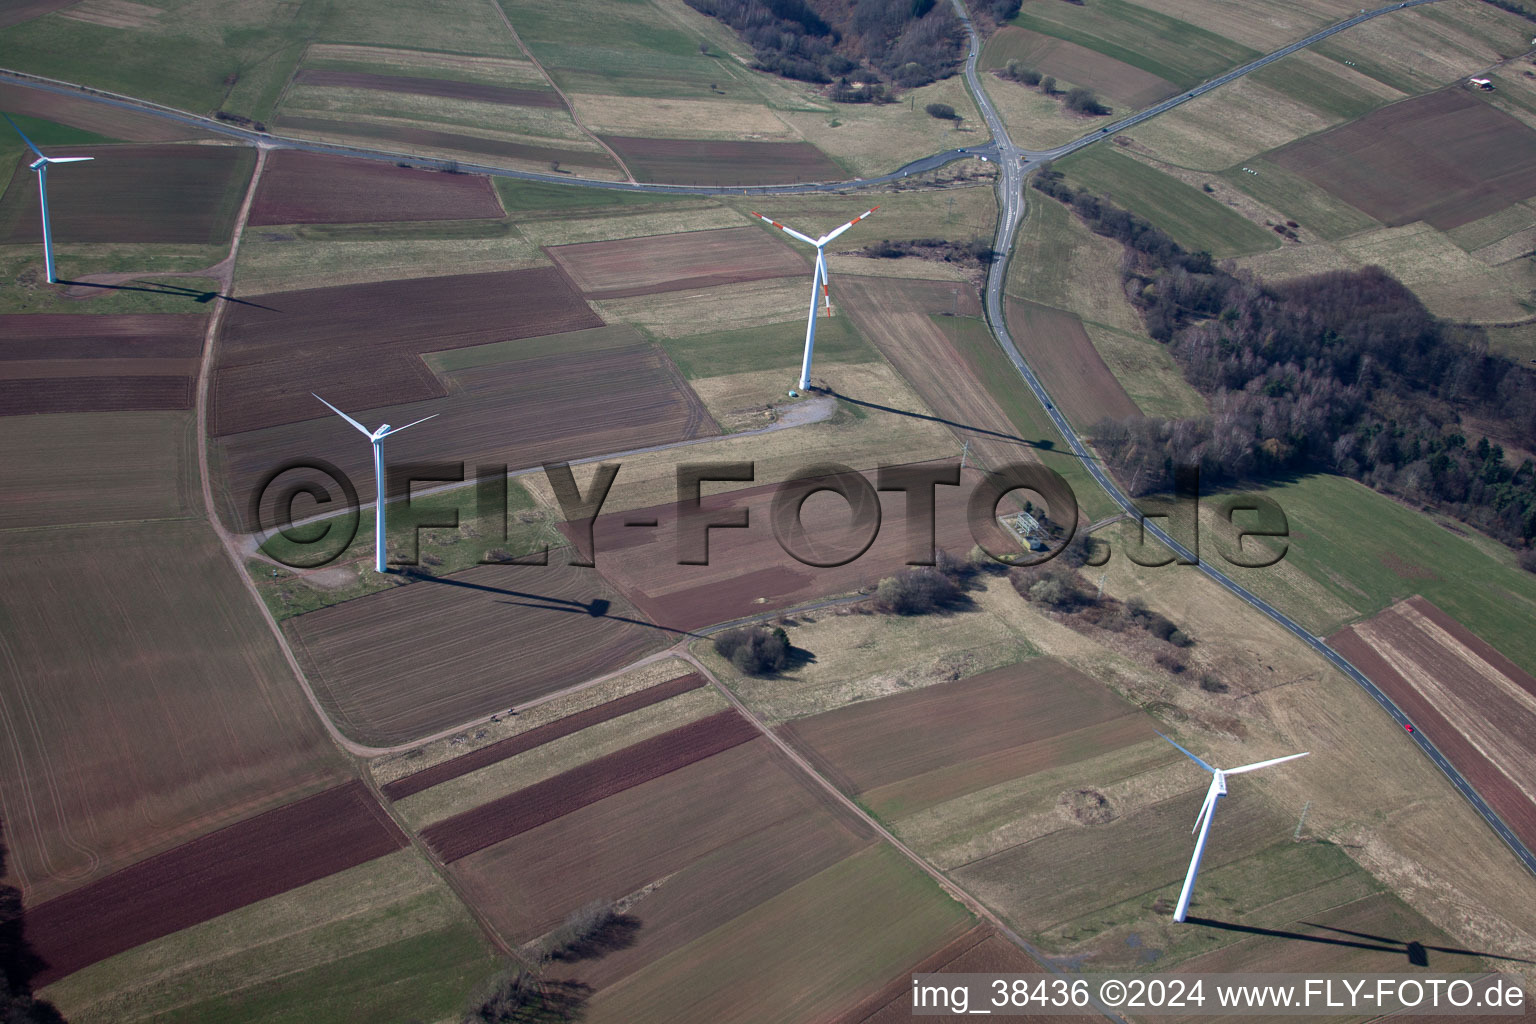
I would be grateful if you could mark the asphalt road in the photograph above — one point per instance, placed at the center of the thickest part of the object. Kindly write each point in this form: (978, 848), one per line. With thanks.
(1012, 204)
(1012, 162)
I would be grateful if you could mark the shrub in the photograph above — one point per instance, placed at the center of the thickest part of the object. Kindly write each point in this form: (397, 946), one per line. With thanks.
(590, 931)
(1173, 661)
(1528, 560)
(942, 111)
(1210, 684)
(1048, 85)
(1085, 102)
(754, 650)
(917, 591)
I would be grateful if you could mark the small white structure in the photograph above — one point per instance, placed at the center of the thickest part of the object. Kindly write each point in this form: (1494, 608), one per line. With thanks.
(1485, 84)
(818, 281)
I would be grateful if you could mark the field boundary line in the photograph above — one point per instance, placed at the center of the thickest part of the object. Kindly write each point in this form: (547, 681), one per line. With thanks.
(950, 887)
(569, 106)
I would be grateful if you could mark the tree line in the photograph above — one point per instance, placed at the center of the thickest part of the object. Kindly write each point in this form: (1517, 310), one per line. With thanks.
(1344, 372)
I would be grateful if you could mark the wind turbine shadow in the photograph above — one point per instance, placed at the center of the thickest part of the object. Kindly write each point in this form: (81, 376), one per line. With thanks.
(195, 294)
(1416, 952)
(1042, 445)
(597, 608)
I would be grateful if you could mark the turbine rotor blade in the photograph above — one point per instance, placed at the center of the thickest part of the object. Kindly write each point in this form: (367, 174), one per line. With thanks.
(1264, 764)
(23, 135)
(1187, 754)
(424, 419)
(787, 230)
(344, 416)
(1211, 796)
(68, 159)
(821, 269)
(833, 234)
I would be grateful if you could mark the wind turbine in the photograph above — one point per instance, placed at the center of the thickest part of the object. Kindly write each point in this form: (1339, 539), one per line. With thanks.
(818, 279)
(377, 437)
(40, 165)
(1207, 811)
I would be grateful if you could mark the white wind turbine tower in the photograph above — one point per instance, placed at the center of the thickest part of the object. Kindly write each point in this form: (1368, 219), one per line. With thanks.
(1207, 811)
(40, 165)
(377, 437)
(818, 280)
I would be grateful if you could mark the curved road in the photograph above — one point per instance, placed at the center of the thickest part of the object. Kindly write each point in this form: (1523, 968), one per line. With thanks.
(1011, 203)
(1012, 160)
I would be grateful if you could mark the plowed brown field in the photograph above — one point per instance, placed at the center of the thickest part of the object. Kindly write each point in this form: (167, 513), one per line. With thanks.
(514, 745)
(260, 857)
(662, 263)
(543, 802)
(313, 188)
(726, 832)
(979, 951)
(1448, 158)
(706, 162)
(360, 345)
(748, 572)
(441, 87)
(1470, 701)
(1061, 352)
(436, 141)
(415, 659)
(181, 194)
(1121, 82)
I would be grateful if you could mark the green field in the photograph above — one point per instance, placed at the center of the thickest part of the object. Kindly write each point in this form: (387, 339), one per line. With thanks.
(958, 214)
(23, 286)
(1298, 199)
(386, 940)
(538, 197)
(1147, 372)
(616, 47)
(1354, 547)
(1195, 220)
(1322, 93)
(1175, 50)
(772, 347)
(973, 338)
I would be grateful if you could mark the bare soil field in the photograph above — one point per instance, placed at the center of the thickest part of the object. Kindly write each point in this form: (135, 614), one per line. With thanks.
(872, 744)
(416, 782)
(395, 665)
(99, 677)
(79, 112)
(1447, 158)
(272, 354)
(659, 263)
(979, 951)
(1471, 702)
(430, 140)
(706, 162)
(686, 853)
(117, 393)
(176, 194)
(90, 467)
(749, 572)
(223, 871)
(570, 397)
(1060, 350)
(313, 188)
(543, 802)
(1126, 86)
(14, 12)
(442, 87)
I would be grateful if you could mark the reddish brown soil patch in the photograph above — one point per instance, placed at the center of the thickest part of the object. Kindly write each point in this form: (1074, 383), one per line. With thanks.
(724, 834)
(1448, 158)
(567, 400)
(79, 112)
(1471, 702)
(446, 88)
(434, 654)
(703, 162)
(663, 263)
(180, 194)
(257, 858)
(543, 802)
(749, 572)
(14, 12)
(313, 188)
(359, 345)
(514, 745)
(873, 743)
(1123, 83)
(67, 363)
(436, 141)
(1060, 351)
(979, 951)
